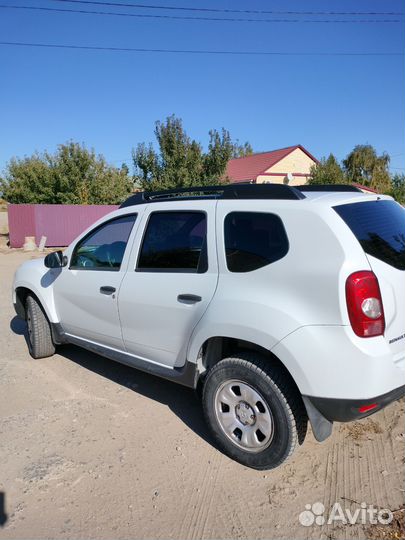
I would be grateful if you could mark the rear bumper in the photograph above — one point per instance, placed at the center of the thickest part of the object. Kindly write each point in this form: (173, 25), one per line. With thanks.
(347, 410)
(332, 362)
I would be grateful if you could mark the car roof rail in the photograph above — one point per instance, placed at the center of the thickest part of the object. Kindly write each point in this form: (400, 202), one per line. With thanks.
(337, 188)
(226, 191)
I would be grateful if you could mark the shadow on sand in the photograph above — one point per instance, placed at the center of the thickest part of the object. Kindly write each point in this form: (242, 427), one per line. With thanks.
(182, 401)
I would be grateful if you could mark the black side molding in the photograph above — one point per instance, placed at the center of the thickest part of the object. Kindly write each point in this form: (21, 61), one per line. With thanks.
(186, 375)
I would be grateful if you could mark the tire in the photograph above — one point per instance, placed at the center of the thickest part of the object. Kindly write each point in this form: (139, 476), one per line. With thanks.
(40, 342)
(261, 426)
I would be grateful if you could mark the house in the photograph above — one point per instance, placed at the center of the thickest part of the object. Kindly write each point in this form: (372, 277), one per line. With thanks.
(289, 165)
(365, 189)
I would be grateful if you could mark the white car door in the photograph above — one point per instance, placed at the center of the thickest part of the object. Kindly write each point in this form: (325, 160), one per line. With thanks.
(172, 276)
(86, 290)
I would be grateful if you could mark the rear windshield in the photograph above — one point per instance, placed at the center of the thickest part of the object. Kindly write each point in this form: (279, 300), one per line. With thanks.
(379, 226)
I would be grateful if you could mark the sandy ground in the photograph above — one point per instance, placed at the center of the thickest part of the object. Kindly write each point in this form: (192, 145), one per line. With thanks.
(93, 449)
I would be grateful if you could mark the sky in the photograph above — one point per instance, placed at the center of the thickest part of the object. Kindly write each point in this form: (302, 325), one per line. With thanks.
(110, 100)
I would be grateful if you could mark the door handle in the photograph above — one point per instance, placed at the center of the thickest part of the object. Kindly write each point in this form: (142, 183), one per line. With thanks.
(189, 298)
(106, 289)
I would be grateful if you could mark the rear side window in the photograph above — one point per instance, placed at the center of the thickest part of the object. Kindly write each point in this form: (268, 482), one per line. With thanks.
(253, 240)
(175, 242)
(379, 226)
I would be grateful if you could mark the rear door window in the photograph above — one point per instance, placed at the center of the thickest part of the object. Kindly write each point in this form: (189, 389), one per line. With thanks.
(379, 226)
(175, 242)
(253, 240)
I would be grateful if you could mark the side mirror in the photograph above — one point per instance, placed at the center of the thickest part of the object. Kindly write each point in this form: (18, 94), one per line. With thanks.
(56, 259)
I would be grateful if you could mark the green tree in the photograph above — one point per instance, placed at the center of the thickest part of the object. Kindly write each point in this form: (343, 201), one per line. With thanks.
(72, 175)
(221, 149)
(364, 166)
(180, 161)
(27, 180)
(398, 187)
(327, 171)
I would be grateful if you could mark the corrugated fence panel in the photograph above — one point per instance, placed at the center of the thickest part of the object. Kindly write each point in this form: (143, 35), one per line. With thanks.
(21, 223)
(58, 222)
(62, 223)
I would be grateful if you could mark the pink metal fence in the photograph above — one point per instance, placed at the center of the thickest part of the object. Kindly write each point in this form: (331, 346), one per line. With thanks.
(60, 223)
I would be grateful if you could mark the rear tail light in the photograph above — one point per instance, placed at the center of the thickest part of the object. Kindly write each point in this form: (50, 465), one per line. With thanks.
(364, 304)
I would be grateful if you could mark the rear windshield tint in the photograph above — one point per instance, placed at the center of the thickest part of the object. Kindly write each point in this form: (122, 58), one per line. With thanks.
(379, 226)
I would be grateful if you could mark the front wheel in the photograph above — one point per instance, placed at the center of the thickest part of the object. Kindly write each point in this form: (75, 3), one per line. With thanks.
(254, 410)
(40, 341)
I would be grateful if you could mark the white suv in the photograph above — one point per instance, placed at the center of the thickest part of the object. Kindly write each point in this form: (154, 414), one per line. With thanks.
(279, 304)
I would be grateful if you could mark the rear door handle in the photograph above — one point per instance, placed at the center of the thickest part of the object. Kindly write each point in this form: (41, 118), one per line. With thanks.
(106, 289)
(189, 298)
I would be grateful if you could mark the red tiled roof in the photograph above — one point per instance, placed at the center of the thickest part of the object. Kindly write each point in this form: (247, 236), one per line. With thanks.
(248, 168)
(365, 188)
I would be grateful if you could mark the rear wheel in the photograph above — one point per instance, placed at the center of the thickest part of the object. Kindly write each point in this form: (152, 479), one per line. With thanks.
(40, 342)
(254, 410)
